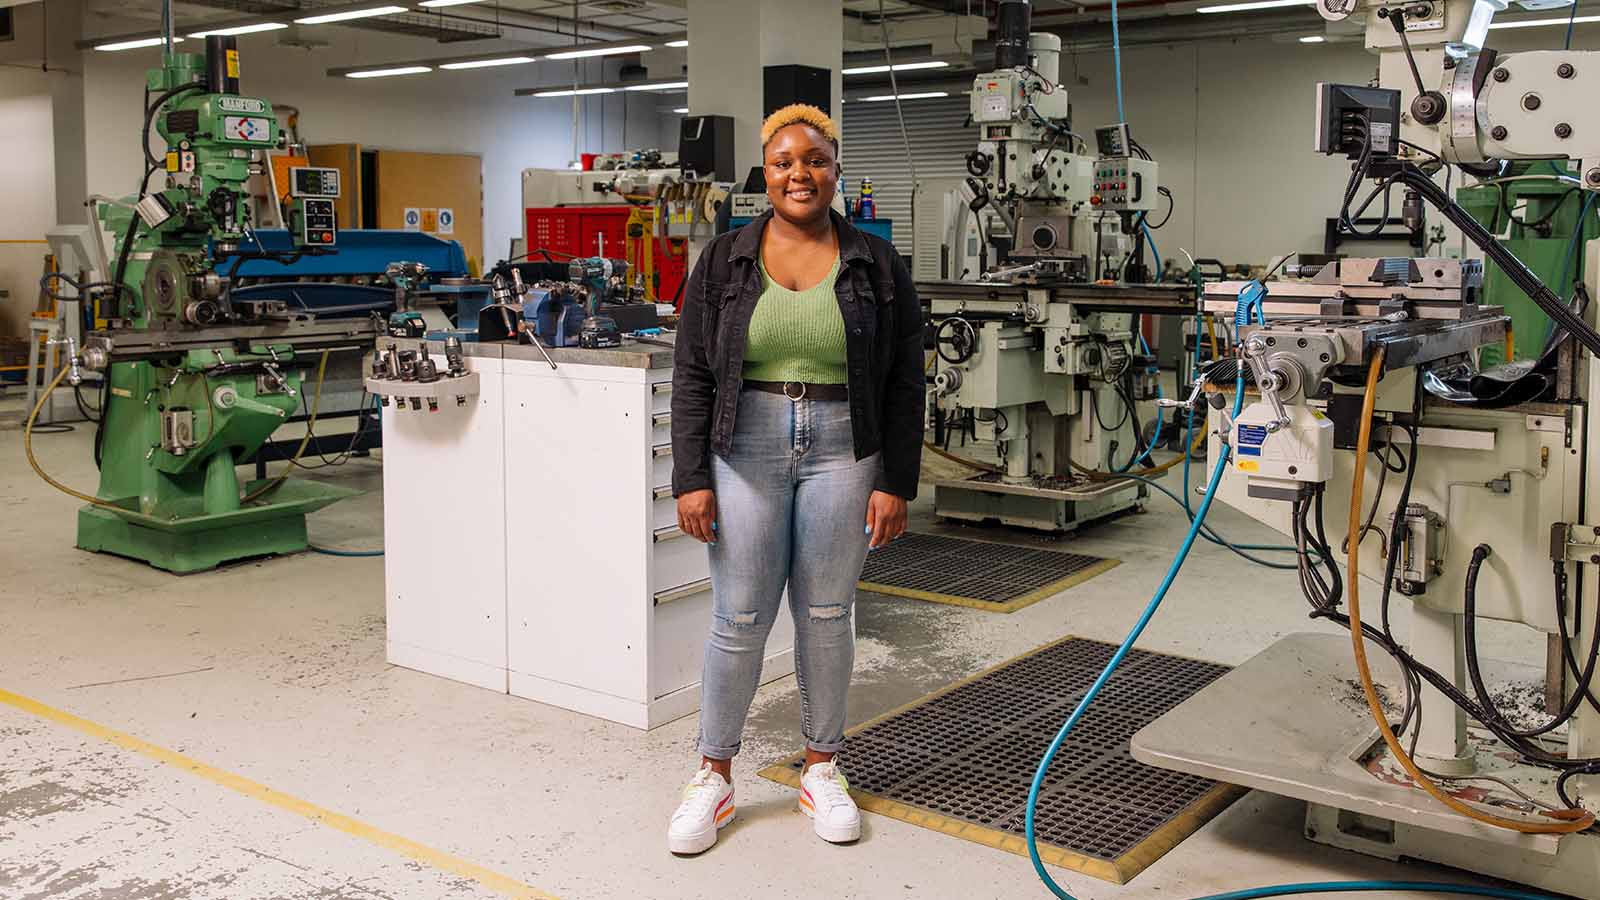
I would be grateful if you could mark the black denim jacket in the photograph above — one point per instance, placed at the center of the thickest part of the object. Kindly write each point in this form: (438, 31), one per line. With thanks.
(883, 351)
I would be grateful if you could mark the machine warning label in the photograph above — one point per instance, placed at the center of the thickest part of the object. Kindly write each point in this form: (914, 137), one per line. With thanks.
(447, 221)
(1252, 434)
(1381, 132)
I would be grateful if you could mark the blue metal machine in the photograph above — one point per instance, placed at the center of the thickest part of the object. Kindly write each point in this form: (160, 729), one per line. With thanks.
(340, 284)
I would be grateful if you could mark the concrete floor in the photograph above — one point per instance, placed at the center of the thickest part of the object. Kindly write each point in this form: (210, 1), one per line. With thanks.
(275, 670)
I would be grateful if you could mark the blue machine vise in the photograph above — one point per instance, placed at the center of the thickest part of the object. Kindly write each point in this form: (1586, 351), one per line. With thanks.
(557, 314)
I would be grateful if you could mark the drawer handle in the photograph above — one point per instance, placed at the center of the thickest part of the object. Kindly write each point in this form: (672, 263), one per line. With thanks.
(691, 589)
(661, 451)
(663, 492)
(664, 387)
(667, 533)
(660, 419)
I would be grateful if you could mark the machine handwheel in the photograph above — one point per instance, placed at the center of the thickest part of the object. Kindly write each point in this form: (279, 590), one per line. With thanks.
(959, 336)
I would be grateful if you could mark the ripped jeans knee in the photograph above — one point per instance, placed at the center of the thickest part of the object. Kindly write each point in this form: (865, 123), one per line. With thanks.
(828, 612)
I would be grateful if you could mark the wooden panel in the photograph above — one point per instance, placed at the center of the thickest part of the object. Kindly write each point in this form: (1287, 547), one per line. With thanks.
(430, 182)
(347, 159)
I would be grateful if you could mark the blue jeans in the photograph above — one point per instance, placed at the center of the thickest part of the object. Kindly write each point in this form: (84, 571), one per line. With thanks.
(791, 510)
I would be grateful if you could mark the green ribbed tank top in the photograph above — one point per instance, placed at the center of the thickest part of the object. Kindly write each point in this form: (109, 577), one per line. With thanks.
(797, 335)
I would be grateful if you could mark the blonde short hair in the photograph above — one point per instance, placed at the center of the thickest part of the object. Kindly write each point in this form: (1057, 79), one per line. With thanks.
(800, 114)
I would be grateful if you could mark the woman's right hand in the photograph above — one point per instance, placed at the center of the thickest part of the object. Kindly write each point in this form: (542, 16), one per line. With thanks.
(697, 515)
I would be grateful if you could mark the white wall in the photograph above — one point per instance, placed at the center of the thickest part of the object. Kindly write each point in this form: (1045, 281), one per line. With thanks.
(27, 180)
(471, 111)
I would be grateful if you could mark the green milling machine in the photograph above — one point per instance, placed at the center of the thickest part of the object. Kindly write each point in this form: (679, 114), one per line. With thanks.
(1556, 221)
(195, 381)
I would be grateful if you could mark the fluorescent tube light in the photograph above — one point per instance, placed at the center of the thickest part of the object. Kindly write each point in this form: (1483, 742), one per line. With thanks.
(682, 110)
(897, 67)
(434, 3)
(598, 51)
(1535, 23)
(580, 92)
(918, 96)
(241, 29)
(486, 63)
(669, 86)
(134, 45)
(677, 43)
(385, 73)
(1255, 4)
(349, 14)
(1313, 39)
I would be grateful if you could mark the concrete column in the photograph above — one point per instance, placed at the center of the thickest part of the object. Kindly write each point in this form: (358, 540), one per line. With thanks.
(63, 28)
(730, 41)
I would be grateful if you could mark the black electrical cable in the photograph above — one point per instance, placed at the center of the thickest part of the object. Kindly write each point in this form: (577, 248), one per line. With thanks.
(1582, 686)
(1172, 205)
(150, 113)
(1475, 675)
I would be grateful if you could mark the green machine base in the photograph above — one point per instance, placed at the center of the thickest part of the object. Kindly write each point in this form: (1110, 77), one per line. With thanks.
(197, 543)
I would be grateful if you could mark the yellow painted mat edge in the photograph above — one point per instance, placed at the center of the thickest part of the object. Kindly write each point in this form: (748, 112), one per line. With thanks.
(1118, 871)
(1009, 606)
(422, 853)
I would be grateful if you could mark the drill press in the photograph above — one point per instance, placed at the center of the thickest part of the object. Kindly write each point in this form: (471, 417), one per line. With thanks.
(197, 380)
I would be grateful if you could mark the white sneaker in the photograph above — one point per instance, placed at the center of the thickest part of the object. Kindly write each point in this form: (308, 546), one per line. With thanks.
(825, 797)
(707, 806)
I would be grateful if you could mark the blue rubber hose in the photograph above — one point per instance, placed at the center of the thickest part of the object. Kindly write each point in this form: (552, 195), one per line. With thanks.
(354, 554)
(1151, 445)
(1336, 887)
(1151, 240)
(1116, 59)
(1117, 658)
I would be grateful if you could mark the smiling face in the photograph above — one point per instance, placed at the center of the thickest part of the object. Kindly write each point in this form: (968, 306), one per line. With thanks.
(802, 171)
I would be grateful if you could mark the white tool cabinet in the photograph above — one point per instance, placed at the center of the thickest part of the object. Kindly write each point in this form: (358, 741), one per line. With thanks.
(531, 537)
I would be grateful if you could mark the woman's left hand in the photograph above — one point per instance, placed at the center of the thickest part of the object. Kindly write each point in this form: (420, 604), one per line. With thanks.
(886, 518)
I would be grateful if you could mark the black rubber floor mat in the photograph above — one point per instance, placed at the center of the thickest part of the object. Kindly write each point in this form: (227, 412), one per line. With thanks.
(976, 574)
(961, 759)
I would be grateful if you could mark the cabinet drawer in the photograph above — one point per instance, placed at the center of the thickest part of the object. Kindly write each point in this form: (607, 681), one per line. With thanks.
(678, 638)
(661, 396)
(664, 509)
(661, 464)
(661, 428)
(676, 560)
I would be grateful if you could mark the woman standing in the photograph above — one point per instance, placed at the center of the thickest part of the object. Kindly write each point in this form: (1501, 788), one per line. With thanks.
(797, 403)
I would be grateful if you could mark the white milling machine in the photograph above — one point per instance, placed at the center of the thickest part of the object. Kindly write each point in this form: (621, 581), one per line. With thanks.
(1493, 516)
(1038, 356)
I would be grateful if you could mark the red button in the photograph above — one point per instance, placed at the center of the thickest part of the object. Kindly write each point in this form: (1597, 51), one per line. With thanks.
(1095, 200)
(327, 237)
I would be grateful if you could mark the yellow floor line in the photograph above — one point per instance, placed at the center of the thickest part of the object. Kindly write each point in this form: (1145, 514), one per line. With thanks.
(422, 853)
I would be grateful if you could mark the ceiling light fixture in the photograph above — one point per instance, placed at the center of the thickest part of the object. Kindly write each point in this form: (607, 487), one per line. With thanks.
(667, 86)
(677, 43)
(924, 95)
(1313, 39)
(240, 29)
(435, 3)
(487, 63)
(385, 73)
(136, 44)
(598, 51)
(1255, 4)
(897, 67)
(579, 92)
(1535, 23)
(681, 110)
(349, 14)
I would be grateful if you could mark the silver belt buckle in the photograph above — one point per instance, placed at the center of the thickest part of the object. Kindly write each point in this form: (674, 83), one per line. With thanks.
(792, 397)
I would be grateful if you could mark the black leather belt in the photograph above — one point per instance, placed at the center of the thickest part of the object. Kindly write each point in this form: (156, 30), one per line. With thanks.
(799, 390)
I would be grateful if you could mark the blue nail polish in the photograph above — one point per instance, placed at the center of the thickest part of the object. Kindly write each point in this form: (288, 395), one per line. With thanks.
(868, 531)
(713, 526)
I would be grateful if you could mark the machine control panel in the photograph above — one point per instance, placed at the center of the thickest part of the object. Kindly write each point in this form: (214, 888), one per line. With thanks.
(1124, 184)
(315, 222)
(308, 181)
